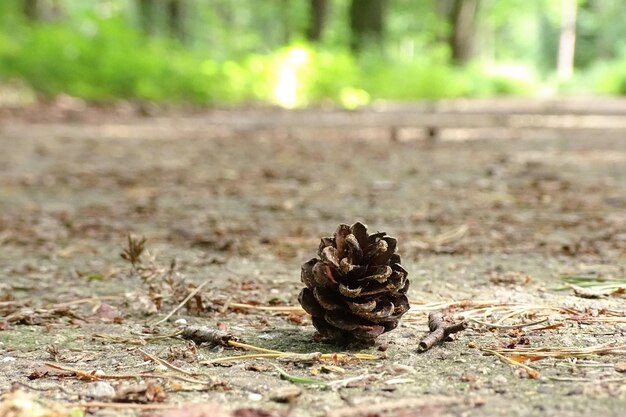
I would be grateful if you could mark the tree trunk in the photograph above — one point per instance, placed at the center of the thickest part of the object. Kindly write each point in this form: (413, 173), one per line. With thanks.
(463, 23)
(567, 40)
(176, 19)
(31, 9)
(367, 23)
(317, 18)
(147, 16)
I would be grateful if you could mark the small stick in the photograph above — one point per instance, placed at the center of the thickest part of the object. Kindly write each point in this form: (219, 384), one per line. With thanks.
(205, 334)
(439, 330)
(182, 304)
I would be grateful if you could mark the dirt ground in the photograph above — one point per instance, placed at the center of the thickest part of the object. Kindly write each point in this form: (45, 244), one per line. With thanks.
(496, 220)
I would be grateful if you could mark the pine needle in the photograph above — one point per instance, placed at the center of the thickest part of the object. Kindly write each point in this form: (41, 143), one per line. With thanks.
(297, 379)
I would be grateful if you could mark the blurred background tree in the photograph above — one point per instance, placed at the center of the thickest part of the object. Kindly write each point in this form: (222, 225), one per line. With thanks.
(299, 52)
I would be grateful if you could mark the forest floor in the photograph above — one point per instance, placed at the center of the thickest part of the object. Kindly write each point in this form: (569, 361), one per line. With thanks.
(492, 231)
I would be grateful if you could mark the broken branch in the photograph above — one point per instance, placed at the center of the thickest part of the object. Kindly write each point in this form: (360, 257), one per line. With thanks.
(439, 330)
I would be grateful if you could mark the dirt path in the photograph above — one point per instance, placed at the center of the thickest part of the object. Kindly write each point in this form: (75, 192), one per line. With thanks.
(496, 220)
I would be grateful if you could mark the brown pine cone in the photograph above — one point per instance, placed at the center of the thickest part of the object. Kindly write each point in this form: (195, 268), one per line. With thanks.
(357, 288)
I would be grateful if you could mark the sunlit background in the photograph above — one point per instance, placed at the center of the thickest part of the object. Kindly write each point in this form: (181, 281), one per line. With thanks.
(296, 53)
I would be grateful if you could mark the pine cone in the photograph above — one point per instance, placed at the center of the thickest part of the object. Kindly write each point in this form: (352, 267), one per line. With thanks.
(357, 288)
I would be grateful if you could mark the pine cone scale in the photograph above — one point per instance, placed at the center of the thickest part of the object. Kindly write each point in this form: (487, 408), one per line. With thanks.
(309, 303)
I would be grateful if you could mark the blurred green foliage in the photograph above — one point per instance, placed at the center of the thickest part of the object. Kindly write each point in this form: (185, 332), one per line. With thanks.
(237, 53)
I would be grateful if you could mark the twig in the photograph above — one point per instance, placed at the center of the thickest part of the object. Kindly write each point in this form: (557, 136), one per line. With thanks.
(204, 334)
(182, 304)
(439, 330)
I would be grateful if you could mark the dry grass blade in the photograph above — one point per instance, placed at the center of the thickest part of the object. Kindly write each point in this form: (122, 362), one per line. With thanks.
(240, 357)
(599, 284)
(185, 301)
(275, 309)
(114, 338)
(326, 356)
(288, 356)
(498, 315)
(95, 376)
(532, 373)
(510, 326)
(450, 235)
(562, 351)
(166, 364)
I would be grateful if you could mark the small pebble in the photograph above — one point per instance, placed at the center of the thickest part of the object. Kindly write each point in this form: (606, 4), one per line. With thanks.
(253, 396)
(100, 389)
(181, 322)
(499, 380)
